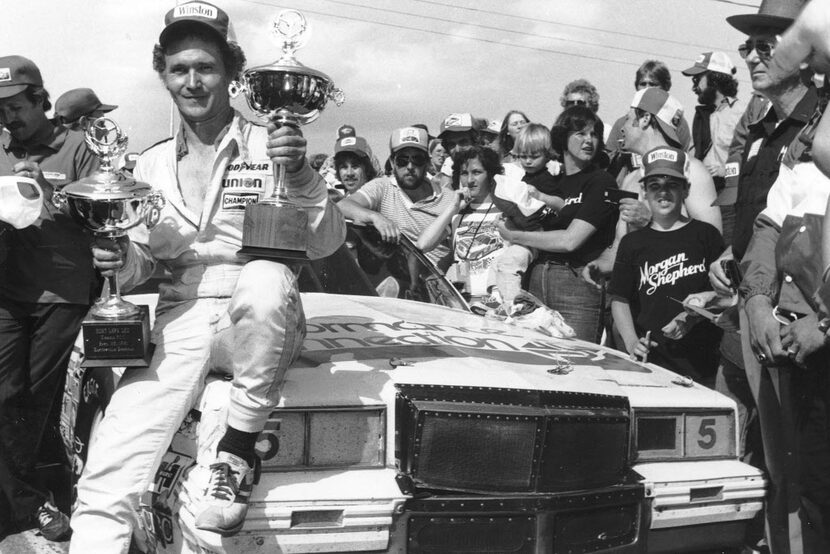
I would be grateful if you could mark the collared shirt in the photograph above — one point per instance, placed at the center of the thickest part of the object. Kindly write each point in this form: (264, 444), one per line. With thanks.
(200, 250)
(386, 197)
(722, 124)
(49, 261)
(767, 145)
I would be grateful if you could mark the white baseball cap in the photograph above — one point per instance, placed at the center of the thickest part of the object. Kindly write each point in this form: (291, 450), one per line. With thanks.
(21, 200)
(711, 61)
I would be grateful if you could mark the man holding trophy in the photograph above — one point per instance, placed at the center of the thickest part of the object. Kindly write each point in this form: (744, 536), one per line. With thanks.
(221, 310)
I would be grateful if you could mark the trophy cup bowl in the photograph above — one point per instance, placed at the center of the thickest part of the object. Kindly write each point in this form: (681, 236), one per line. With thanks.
(288, 95)
(284, 93)
(109, 203)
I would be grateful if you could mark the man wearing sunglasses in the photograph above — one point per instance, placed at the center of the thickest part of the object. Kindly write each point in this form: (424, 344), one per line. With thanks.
(771, 140)
(406, 202)
(718, 112)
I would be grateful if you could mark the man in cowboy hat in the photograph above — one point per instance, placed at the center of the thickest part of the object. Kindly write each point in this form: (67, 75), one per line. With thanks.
(771, 140)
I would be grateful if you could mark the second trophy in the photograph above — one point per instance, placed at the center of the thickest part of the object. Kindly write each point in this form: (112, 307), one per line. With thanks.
(284, 93)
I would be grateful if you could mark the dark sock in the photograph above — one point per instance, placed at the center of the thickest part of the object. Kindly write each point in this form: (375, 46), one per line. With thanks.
(239, 443)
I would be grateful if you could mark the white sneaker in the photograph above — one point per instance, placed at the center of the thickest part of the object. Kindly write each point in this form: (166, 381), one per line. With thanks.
(227, 494)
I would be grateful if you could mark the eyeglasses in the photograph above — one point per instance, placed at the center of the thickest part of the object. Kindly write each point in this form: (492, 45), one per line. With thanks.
(576, 103)
(696, 79)
(417, 161)
(764, 47)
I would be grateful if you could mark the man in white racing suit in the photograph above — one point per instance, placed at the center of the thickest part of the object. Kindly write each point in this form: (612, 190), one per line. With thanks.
(221, 309)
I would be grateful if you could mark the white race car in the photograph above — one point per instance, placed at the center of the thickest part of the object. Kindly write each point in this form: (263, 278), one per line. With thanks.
(411, 427)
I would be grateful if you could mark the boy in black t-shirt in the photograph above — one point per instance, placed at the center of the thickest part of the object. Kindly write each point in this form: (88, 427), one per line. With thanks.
(659, 266)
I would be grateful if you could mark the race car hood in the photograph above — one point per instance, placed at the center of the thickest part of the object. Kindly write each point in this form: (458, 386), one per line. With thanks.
(357, 348)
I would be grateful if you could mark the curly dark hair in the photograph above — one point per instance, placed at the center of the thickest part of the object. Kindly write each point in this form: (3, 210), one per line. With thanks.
(569, 122)
(723, 83)
(581, 86)
(488, 157)
(233, 57)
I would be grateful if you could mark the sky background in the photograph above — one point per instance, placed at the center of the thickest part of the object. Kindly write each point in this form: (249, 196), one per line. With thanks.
(399, 62)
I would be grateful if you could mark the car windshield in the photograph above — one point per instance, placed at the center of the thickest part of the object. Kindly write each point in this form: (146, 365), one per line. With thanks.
(369, 266)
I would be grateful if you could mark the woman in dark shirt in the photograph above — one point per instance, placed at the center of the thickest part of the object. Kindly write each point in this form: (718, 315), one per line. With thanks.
(583, 229)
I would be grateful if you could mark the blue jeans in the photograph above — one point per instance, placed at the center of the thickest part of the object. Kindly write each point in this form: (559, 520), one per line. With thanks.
(561, 288)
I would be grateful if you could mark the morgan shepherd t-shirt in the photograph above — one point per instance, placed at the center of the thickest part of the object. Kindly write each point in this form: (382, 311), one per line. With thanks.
(655, 267)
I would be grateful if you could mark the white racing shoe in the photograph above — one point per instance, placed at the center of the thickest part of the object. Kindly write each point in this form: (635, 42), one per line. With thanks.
(227, 494)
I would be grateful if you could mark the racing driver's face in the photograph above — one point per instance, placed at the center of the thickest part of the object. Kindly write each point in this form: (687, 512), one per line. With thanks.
(196, 79)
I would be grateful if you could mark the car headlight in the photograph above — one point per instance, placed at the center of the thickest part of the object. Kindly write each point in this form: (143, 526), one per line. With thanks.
(304, 438)
(684, 435)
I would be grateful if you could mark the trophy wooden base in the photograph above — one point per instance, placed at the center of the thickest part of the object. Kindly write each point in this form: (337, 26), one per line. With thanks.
(275, 231)
(117, 342)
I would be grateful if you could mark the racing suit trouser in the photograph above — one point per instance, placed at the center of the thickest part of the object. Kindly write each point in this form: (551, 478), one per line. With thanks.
(257, 333)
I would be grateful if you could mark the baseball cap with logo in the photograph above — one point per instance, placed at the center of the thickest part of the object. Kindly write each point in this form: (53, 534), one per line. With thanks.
(456, 123)
(74, 103)
(665, 160)
(358, 145)
(346, 131)
(711, 61)
(409, 137)
(21, 200)
(202, 13)
(16, 73)
(667, 111)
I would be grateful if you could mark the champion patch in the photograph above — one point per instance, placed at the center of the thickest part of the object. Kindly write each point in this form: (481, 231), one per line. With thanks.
(5, 74)
(238, 200)
(348, 141)
(409, 134)
(732, 169)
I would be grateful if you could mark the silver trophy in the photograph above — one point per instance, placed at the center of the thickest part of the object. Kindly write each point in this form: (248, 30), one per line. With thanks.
(285, 92)
(109, 203)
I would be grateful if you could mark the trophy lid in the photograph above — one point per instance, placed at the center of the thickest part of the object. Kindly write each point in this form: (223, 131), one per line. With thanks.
(107, 185)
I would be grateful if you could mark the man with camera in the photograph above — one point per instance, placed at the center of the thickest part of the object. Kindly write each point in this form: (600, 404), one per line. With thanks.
(221, 311)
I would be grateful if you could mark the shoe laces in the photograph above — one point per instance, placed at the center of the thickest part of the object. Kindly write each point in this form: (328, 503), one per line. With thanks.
(223, 483)
(46, 514)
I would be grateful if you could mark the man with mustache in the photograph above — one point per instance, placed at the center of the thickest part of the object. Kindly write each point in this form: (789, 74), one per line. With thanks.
(47, 283)
(718, 112)
(406, 202)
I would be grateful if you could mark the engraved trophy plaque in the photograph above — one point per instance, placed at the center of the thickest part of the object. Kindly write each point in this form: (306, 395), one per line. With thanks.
(108, 203)
(285, 92)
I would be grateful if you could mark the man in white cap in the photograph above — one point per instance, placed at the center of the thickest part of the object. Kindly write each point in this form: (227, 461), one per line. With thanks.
(221, 311)
(47, 283)
(653, 121)
(718, 112)
(406, 202)
(77, 108)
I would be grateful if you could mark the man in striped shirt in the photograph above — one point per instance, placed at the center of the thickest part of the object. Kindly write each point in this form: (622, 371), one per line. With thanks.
(405, 203)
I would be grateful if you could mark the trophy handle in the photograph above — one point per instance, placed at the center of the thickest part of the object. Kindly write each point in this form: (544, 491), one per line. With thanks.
(59, 200)
(235, 88)
(337, 96)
